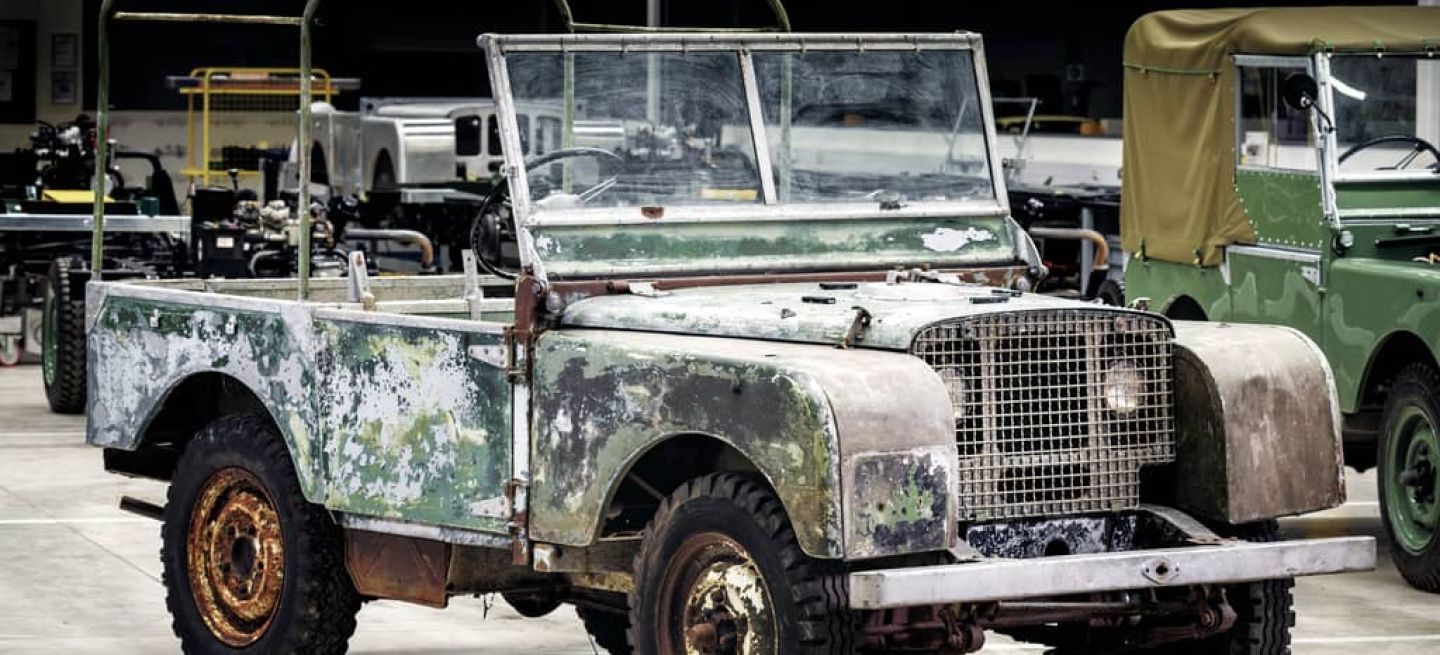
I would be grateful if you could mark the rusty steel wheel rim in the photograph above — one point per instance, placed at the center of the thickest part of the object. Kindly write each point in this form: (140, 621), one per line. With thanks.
(715, 601)
(235, 557)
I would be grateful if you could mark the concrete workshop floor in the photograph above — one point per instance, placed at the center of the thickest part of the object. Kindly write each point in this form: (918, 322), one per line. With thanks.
(79, 576)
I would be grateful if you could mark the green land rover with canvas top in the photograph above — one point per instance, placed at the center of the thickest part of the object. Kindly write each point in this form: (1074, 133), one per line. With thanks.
(752, 370)
(1281, 168)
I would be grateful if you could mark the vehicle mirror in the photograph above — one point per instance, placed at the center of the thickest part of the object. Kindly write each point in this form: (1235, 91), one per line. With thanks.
(1299, 91)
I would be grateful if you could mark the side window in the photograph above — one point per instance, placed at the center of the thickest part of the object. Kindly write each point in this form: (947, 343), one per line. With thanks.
(1269, 133)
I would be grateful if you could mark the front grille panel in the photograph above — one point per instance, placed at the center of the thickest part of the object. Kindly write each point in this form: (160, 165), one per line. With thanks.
(1055, 411)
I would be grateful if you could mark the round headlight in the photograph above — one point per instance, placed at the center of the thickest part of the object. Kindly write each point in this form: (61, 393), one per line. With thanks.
(1124, 388)
(955, 384)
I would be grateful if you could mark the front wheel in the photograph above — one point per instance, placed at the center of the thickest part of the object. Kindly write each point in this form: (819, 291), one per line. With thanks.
(1409, 475)
(249, 564)
(719, 571)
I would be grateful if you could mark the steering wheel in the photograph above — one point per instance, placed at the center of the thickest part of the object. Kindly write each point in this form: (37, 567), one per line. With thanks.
(1418, 145)
(590, 193)
(495, 222)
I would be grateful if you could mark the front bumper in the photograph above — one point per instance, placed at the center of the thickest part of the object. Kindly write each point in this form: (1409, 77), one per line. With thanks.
(1011, 579)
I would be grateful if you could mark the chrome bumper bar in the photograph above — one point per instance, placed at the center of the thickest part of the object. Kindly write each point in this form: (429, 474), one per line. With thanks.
(996, 580)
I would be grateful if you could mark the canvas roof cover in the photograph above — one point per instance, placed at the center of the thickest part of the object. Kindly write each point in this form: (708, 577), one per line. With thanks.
(1178, 197)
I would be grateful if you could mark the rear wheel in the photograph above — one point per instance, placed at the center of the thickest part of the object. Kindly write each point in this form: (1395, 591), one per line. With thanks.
(249, 564)
(63, 340)
(719, 571)
(1409, 475)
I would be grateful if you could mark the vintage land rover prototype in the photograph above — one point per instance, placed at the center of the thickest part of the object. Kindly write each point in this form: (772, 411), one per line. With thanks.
(1281, 167)
(764, 379)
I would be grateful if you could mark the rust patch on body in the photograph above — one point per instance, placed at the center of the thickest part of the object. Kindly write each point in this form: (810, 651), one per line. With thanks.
(399, 568)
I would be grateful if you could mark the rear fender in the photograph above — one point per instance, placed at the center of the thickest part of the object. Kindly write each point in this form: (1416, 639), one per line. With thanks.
(153, 339)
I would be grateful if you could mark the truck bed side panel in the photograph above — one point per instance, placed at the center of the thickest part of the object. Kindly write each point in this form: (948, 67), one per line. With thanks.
(417, 428)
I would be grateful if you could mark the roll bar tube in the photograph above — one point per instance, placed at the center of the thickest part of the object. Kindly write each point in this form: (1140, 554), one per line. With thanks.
(102, 115)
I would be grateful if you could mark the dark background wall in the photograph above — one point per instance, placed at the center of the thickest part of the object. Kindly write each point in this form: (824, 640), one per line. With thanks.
(1067, 54)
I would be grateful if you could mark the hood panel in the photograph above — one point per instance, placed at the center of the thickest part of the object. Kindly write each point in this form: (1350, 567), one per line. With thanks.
(802, 312)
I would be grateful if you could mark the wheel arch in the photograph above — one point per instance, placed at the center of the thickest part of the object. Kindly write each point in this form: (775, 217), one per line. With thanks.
(1392, 353)
(670, 461)
(383, 161)
(1183, 307)
(186, 407)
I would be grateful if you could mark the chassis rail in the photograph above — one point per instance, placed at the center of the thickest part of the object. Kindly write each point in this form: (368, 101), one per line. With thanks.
(996, 580)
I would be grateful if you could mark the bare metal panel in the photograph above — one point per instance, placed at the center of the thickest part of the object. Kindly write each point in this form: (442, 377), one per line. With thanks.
(1055, 411)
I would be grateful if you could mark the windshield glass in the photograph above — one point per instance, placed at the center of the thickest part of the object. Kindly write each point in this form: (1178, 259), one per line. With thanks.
(648, 129)
(874, 126)
(886, 128)
(1387, 111)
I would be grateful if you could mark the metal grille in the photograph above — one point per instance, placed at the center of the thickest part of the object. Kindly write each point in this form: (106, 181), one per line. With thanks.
(1055, 411)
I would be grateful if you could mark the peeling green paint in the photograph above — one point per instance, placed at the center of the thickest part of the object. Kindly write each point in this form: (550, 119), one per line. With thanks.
(710, 246)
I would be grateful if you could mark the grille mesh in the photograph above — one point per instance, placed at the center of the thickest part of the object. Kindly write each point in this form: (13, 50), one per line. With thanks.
(1036, 396)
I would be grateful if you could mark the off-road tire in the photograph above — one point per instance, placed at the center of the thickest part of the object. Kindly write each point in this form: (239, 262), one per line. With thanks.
(1264, 611)
(609, 630)
(63, 346)
(809, 601)
(317, 603)
(1416, 386)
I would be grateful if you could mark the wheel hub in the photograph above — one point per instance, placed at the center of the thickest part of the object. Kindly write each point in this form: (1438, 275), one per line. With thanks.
(720, 603)
(236, 557)
(1413, 501)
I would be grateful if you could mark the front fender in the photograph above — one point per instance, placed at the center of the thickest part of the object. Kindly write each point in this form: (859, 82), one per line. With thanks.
(859, 445)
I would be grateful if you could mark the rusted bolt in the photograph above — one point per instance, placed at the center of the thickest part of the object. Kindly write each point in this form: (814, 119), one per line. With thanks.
(703, 637)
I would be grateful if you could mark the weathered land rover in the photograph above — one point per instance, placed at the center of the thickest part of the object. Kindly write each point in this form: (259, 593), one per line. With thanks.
(1281, 167)
(764, 379)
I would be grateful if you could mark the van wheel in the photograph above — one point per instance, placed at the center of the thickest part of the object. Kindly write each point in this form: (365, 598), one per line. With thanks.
(1409, 473)
(249, 564)
(719, 571)
(62, 340)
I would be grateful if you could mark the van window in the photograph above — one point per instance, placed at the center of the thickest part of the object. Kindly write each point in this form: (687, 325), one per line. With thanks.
(547, 134)
(523, 123)
(494, 135)
(467, 136)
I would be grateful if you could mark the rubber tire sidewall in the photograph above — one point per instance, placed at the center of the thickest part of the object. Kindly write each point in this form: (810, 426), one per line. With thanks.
(739, 508)
(249, 442)
(67, 393)
(1416, 385)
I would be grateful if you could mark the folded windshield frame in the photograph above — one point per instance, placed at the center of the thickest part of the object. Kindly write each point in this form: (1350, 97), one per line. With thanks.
(498, 47)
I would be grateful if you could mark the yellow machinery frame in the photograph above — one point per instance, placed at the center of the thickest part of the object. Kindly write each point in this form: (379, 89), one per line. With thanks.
(209, 82)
